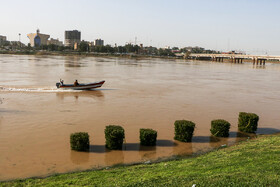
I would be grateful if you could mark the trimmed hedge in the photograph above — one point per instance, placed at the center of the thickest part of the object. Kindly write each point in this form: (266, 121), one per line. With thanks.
(79, 141)
(148, 137)
(184, 130)
(220, 128)
(248, 122)
(114, 136)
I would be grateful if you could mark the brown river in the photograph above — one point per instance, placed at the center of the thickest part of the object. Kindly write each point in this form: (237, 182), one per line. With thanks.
(36, 119)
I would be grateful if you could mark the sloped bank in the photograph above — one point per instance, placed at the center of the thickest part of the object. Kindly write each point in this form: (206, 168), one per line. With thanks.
(249, 163)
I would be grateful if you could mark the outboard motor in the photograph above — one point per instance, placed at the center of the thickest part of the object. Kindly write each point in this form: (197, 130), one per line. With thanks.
(57, 84)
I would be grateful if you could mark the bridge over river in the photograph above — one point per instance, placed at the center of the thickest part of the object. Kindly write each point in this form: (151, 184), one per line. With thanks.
(235, 58)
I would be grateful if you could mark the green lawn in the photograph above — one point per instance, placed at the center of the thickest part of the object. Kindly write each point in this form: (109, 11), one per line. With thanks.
(250, 163)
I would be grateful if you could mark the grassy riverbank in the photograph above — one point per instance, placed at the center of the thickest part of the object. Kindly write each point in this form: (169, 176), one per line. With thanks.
(250, 163)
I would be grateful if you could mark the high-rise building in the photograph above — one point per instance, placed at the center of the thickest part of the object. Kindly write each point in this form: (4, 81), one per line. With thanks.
(3, 39)
(37, 39)
(98, 42)
(72, 37)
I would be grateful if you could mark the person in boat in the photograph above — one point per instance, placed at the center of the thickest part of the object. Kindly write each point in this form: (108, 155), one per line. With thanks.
(76, 83)
(61, 81)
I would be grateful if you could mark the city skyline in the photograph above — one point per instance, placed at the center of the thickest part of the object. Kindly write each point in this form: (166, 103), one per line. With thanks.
(249, 26)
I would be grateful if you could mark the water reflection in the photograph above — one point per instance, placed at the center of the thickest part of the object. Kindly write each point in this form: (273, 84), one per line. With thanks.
(131, 62)
(259, 67)
(95, 94)
(202, 139)
(79, 157)
(131, 146)
(44, 61)
(216, 142)
(98, 149)
(145, 152)
(148, 152)
(242, 134)
(234, 137)
(114, 157)
(267, 130)
(183, 148)
(74, 62)
(166, 143)
(213, 140)
(10, 111)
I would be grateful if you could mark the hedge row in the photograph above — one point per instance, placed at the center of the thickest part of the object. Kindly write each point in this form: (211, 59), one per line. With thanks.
(115, 135)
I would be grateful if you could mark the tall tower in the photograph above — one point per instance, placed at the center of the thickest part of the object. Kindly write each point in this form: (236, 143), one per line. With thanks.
(72, 37)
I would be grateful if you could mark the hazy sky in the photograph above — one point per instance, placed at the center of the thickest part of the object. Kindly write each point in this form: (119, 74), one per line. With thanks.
(249, 25)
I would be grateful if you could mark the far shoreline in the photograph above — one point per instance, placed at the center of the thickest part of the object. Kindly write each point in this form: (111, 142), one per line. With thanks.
(118, 55)
(85, 54)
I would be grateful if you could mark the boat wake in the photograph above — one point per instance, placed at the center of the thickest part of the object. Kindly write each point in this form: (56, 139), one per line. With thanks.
(42, 90)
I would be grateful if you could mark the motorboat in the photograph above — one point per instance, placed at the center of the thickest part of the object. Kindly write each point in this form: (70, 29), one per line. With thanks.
(80, 86)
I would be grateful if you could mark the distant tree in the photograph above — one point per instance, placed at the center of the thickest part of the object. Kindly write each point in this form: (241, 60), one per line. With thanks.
(152, 50)
(29, 46)
(83, 47)
(197, 50)
(109, 49)
(131, 48)
(61, 48)
(104, 49)
(42, 47)
(99, 49)
(52, 47)
(121, 49)
(68, 48)
(165, 52)
(136, 48)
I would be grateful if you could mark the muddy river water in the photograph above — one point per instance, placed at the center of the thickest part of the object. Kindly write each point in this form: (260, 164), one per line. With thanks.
(36, 119)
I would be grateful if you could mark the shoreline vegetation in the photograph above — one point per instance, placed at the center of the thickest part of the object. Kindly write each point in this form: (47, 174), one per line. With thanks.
(120, 55)
(253, 162)
(85, 48)
(85, 54)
